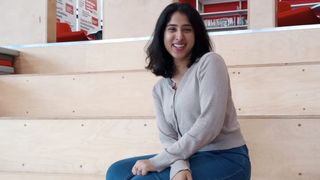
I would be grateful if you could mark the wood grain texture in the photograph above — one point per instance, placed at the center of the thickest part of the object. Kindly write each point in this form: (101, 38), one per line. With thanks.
(48, 176)
(19, 27)
(279, 90)
(262, 15)
(279, 148)
(254, 48)
(73, 146)
(283, 148)
(85, 57)
(79, 95)
(275, 90)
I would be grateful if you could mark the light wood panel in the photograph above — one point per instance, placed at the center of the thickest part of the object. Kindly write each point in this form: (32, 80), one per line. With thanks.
(133, 18)
(47, 176)
(25, 22)
(262, 14)
(283, 148)
(279, 45)
(80, 95)
(279, 148)
(73, 146)
(253, 48)
(85, 57)
(277, 90)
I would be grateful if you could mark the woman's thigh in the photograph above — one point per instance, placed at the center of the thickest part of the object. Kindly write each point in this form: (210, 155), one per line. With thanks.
(231, 164)
(121, 170)
(163, 175)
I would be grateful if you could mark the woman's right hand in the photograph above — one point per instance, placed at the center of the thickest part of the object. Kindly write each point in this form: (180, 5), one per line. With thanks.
(183, 175)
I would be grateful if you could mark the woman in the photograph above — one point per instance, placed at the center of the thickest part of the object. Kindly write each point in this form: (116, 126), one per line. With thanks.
(196, 117)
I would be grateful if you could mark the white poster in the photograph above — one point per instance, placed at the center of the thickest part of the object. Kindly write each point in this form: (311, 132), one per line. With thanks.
(66, 12)
(89, 15)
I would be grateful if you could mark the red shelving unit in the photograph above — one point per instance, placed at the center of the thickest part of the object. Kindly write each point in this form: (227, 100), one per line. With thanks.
(221, 15)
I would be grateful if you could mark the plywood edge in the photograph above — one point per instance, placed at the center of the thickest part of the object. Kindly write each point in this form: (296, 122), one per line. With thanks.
(47, 176)
(276, 142)
(9, 51)
(238, 50)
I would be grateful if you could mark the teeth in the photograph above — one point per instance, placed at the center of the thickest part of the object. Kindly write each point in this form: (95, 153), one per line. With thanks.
(178, 45)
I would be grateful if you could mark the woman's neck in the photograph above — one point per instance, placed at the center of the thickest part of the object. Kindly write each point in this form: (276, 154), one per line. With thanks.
(181, 68)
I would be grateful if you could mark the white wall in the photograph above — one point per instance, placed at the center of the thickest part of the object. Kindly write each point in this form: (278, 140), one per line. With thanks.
(261, 13)
(134, 18)
(26, 22)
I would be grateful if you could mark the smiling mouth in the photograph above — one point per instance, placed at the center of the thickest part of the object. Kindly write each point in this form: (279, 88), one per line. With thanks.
(179, 46)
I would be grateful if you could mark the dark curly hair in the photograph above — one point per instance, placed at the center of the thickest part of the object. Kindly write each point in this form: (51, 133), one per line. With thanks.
(160, 62)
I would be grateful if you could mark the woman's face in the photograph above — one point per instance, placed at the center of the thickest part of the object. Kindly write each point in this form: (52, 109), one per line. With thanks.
(179, 37)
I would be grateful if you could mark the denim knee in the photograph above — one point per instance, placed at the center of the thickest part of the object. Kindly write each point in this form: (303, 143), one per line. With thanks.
(119, 170)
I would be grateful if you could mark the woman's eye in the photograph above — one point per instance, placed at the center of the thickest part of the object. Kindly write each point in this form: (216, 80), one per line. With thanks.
(187, 30)
(171, 29)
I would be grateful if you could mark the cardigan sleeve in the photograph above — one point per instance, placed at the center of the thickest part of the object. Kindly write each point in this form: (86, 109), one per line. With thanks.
(213, 80)
(168, 136)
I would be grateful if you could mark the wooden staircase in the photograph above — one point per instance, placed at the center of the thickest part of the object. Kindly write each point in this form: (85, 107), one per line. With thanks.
(74, 108)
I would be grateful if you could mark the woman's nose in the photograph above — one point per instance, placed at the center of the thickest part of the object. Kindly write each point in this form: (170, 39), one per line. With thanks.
(179, 35)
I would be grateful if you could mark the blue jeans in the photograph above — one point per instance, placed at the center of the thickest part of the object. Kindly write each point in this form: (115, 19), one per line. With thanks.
(230, 164)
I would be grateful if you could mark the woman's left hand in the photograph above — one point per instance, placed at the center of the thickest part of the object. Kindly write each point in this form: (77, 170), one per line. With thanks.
(142, 167)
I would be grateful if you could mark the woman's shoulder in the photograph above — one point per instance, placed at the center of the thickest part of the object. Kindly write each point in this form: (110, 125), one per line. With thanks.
(159, 85)
(161, 82)
(210, 58)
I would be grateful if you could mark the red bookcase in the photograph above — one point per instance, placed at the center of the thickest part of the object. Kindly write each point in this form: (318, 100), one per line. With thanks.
(222, 14)
(233, 14)
(298, 12)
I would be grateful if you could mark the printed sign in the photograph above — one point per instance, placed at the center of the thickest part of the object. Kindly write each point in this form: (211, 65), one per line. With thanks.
(66, 12)
(89, 16)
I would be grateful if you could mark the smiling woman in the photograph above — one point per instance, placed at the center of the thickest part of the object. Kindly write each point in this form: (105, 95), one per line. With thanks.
(179, 38)
(195, 114)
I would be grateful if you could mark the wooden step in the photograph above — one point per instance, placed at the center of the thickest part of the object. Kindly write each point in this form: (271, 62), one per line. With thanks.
(270, 90)
(280, 148)
(254, 47)
(85, 146)
(269, 46)
(276, 90)
(47, 176)
(283, 148)
(124, 94)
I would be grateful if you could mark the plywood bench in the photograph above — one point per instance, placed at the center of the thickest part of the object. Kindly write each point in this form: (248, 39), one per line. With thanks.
(84, 122)
(79, 120)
